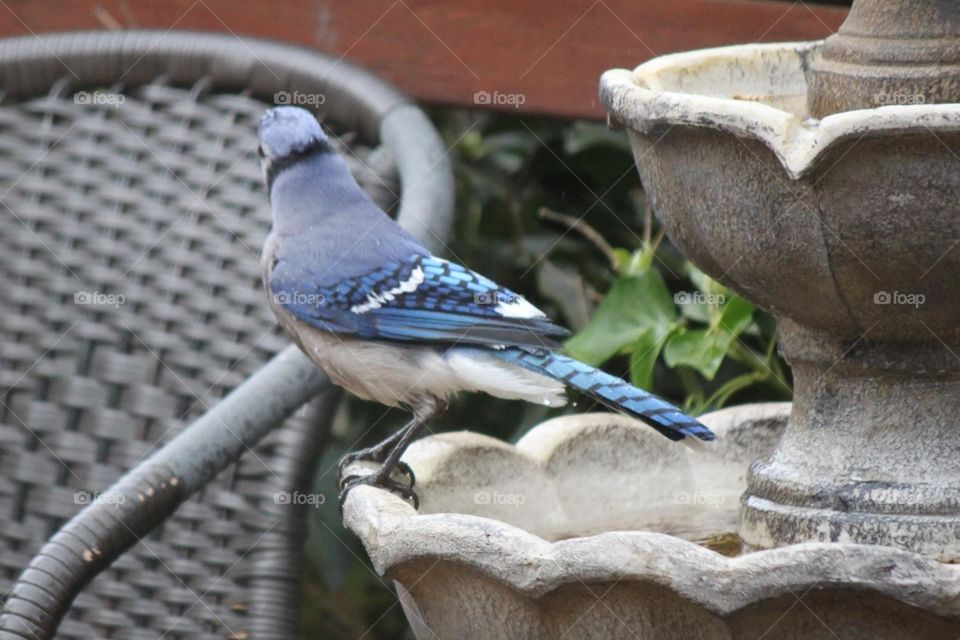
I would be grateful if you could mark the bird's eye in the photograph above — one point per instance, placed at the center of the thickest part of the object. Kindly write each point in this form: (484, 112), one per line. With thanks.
(260, 153)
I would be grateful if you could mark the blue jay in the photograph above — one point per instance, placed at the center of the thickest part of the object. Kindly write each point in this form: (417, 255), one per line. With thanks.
(390, 322)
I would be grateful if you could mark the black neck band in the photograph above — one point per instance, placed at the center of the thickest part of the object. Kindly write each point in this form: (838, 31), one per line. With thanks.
(314, 148)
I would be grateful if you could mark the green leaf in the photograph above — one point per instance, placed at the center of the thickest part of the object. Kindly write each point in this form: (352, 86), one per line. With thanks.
(623, 258)
(695, 311)
(643, 357)
(703, 282)
(699, 279)
(471, 144)
(636, 304)
(705, 349)
(700, 349)
(633, 263)
(640, 262)
(736, 316)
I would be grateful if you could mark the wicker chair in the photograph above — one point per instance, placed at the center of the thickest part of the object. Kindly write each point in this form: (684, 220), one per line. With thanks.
(135, 337)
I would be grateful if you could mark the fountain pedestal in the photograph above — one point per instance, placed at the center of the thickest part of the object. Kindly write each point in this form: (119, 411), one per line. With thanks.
(847, 229)
(872, 453)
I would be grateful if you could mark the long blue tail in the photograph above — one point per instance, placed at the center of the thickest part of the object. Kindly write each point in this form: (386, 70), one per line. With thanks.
(610, 390)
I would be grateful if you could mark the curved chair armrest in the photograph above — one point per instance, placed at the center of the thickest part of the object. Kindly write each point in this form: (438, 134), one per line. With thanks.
(150, 492)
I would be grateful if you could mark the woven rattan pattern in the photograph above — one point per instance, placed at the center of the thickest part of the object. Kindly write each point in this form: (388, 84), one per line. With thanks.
(131, 302)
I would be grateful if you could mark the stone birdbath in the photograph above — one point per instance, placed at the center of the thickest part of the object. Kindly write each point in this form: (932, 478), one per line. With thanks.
(820, 180)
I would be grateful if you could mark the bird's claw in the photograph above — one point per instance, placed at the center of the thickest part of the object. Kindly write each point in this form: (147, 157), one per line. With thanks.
(344, 463)
(387, 454)
(376, 453)
(405, 469)
(378, 479)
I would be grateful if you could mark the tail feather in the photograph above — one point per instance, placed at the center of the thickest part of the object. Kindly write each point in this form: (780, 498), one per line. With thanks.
(613, 392)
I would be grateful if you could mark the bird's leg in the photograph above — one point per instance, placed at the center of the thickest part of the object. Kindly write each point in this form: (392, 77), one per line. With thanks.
(376, 453)
(392, 449)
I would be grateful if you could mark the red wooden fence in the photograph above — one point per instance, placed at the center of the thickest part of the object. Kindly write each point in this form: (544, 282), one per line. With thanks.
(539, 56)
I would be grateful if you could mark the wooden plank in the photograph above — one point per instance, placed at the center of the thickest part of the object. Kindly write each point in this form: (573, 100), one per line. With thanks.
(294, 21)
(546, 53)
(534, 56)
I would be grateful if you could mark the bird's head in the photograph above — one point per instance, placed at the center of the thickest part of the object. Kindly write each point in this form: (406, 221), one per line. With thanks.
(286, 135)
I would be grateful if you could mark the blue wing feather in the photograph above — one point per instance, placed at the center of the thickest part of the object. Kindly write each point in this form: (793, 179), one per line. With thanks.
(421, 299)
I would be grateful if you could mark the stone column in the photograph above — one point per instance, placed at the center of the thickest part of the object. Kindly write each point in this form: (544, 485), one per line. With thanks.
(872, 452)
(889, 52)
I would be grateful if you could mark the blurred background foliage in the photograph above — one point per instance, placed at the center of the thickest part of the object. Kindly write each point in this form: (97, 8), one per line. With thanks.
(555, 211)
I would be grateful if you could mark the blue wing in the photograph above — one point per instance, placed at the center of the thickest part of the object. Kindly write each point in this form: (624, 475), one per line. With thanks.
(417, 299)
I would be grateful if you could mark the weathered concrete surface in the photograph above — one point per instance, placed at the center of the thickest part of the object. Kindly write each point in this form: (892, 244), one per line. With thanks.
(561, 536)
(889, 52)
(846, 229)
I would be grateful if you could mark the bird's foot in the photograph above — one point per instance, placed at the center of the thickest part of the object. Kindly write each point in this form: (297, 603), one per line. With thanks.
(387, 454)
(377, 453)
(382, 478)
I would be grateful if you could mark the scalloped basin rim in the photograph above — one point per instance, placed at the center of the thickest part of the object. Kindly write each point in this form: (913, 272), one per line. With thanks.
(643, 99)
(720, 584)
